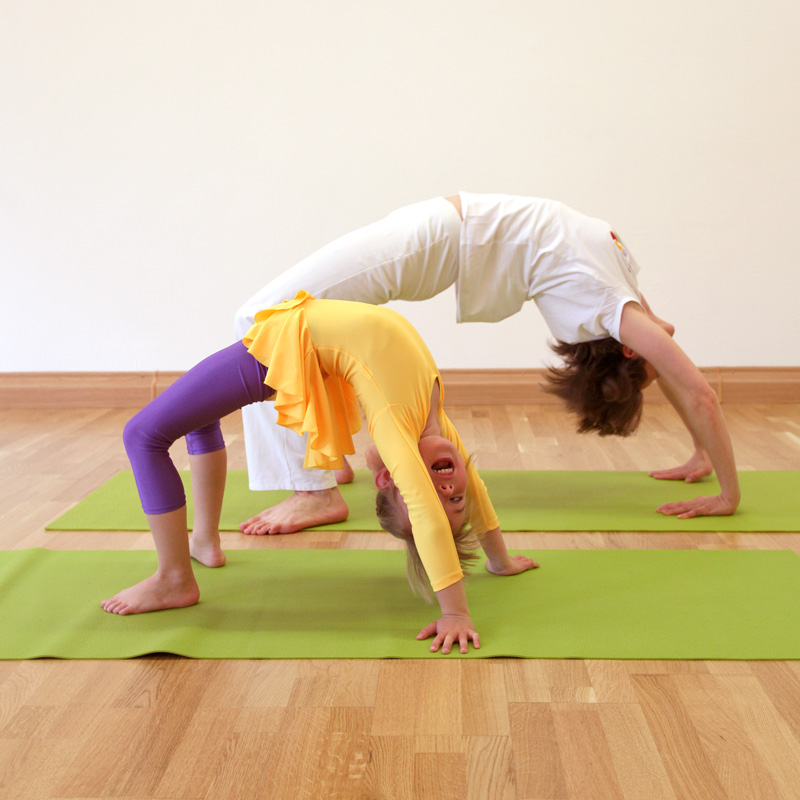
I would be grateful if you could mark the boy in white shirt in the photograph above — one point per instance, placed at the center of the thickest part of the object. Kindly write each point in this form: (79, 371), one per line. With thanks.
(501, 251)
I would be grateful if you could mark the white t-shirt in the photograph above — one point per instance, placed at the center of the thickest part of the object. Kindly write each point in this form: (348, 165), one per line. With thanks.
(513, 249)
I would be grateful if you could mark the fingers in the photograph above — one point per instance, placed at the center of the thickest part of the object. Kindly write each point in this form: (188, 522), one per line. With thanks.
(692, 512)
(427, 631)
(525, 562)
(519, 563)
(693, 477)
(692, 471)
(680, 510)
(446, 639)
(674, 474)
(698, 507)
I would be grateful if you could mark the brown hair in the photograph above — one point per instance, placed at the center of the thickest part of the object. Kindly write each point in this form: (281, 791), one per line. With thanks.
(599, 384)
(465, 538)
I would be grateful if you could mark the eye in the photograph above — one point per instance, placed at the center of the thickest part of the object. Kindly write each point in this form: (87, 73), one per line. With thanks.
(457, 499)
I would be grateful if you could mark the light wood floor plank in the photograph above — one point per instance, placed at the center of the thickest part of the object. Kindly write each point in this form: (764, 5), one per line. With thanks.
(780, 682)
(30, 769)
(634, 753)
(197, 759)
(730, 750)
(771, 735)
(586, 758)
(440, 775)
(420, 697)
(390, 772)
(610, 682)
(490, 768)
(484, 703)
(680, 748)
(537, 755)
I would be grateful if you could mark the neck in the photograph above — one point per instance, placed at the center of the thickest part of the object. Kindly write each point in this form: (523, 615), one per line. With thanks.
(432, 426)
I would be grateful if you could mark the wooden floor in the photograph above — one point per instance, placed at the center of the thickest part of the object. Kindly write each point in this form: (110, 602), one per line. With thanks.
(163, 727)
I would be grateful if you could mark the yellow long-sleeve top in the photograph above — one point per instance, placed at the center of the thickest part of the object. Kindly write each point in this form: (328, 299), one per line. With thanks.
(323, 357)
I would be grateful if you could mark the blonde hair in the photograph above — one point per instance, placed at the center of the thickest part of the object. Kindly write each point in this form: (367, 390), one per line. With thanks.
(466, 539)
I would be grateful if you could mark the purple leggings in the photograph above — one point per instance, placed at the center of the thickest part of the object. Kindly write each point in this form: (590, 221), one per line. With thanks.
(190, 407)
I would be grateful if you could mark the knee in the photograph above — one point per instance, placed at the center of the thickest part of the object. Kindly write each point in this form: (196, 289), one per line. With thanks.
(207, 439)
(140, 436)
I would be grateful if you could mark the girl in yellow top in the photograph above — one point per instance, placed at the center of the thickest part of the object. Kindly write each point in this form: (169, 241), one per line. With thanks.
(317, 359)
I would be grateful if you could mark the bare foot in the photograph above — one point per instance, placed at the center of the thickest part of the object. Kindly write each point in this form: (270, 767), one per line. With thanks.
(154, 594)
(206, 550)
(345, 474)
(301, 510)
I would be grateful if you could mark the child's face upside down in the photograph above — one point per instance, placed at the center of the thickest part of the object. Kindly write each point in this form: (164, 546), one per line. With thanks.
(447, 472)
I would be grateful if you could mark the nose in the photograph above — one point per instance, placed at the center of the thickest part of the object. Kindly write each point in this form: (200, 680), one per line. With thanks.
(445, 489)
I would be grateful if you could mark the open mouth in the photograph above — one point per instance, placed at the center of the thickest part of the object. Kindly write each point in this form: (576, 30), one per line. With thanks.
(444, 467)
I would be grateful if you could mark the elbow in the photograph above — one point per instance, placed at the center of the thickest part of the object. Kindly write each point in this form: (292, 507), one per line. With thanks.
(705, 401)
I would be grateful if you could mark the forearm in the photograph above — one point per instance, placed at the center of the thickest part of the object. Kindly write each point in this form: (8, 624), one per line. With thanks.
(676, 404)
(496, 552)
(703, 417)
(453, 600)
(715, 439)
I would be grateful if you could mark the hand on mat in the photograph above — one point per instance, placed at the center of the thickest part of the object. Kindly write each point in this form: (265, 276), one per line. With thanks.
(716, 506)
(449, 630)
(697, 467)
(518, 564)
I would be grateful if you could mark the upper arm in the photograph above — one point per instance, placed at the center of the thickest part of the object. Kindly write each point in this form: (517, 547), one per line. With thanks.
(484, 516)
(395, 440)
(649, 340)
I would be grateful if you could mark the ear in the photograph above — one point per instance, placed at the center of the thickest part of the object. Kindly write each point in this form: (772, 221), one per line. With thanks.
(628, 353)
(383, 480)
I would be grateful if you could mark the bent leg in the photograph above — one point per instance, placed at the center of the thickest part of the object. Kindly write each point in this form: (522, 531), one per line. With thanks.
(191, 407)
(410, 255)
(275, 454)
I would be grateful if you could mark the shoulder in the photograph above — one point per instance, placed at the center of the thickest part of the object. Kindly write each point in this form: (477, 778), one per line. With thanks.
(639, 332)
(648, 339)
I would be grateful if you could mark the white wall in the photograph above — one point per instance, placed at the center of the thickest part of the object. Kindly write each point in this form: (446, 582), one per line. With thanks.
(162, 159)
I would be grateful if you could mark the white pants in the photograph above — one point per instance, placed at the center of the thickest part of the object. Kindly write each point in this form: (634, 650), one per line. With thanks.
(413, 254)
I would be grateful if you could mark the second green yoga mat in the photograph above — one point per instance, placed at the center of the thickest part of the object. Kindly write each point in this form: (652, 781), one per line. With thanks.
(525, 501)
(267, 603)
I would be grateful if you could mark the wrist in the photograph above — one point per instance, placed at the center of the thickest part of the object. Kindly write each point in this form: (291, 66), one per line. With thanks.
(453, 600)
(499, 565)
(731, 498)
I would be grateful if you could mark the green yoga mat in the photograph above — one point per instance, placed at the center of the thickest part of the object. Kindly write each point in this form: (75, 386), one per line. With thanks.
(620, 604)
(560, 500)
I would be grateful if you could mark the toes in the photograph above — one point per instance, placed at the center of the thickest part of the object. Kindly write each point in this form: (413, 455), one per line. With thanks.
(264, 527)
(112, 605)
(257, 528)
(252, 526)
